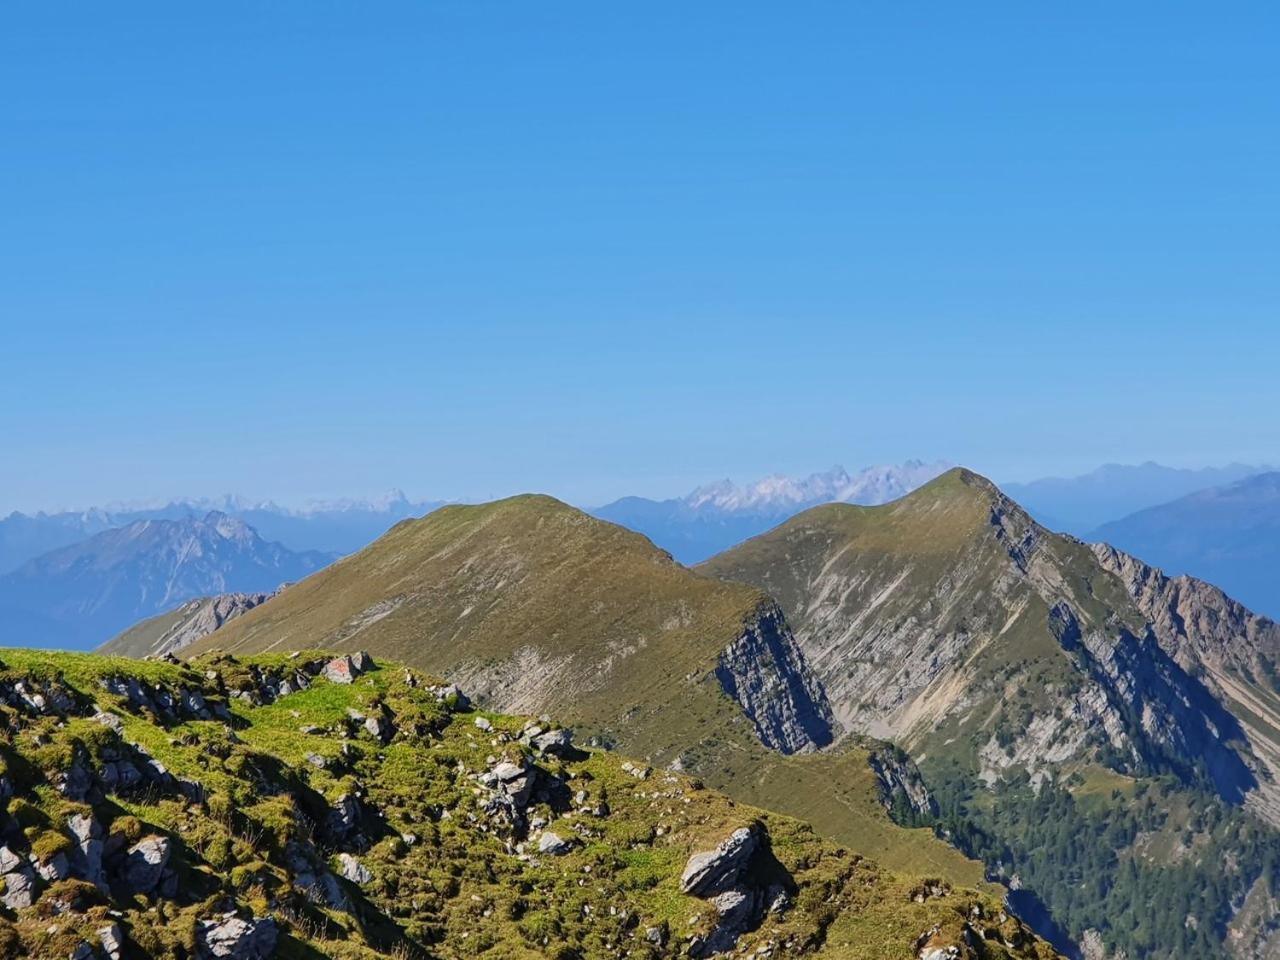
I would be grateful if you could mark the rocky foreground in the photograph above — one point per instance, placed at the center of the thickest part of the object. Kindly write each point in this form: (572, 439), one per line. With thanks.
(307, 806)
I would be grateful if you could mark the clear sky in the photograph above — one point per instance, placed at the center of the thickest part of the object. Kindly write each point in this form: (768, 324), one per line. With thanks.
(296, 249)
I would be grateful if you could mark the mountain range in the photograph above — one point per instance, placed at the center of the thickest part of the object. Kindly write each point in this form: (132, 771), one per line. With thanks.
(77, 596)
(336, 527)
(1103, 738)
(717, 516)
(1081, 504)
(1228, 535)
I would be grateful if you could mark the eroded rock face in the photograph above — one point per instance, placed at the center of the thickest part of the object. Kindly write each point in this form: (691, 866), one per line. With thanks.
(201, 617)
(765, 672)
(900, 781)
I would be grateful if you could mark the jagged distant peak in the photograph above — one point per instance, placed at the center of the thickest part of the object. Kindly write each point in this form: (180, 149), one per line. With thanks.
(871, 485)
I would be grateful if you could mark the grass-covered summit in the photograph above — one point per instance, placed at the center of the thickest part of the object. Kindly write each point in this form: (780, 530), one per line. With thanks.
(532, 605)
(297, 807)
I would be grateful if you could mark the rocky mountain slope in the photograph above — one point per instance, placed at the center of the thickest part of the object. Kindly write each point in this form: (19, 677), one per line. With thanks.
(716, 516)
(176, 629)
(293, 806)
(1042, 685)
(81, 595)
(534, 606)
(1227, 535)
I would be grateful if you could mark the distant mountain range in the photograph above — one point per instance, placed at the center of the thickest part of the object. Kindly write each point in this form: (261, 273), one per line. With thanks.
(1080, 504)
(77, 596)
(339, 527)
(717, 516)
(1228, 535)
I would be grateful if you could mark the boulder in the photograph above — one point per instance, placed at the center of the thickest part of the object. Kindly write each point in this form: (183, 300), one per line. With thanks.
(345, 817)
(515, 780)
(553, 844)
(145, 863)
(9, 861)
(56, 868)
(230, 937)
(19, 888)
(353, 870)
(555, 742)
(380, 728)
(718, 870)
(340, 670)
(110, 720)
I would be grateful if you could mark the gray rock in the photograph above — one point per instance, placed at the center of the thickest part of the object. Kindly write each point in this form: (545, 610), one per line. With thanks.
(19, 888)
(483, 724)
(9, 861)
(353, 870)
(716, 871)
(515, 780)
(112, 941)
(380, 728)
(765, 672)
(555, 742)
(340, 670)
(553, 844)
(234, 938)
(145, 864)
(110, 720)
(345, 817)
(56, 868)
(77, 781)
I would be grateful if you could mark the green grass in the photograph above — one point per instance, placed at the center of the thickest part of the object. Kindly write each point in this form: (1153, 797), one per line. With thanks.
(459, 890)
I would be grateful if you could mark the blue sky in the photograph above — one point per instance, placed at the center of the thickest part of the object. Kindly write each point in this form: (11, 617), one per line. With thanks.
(312, 249)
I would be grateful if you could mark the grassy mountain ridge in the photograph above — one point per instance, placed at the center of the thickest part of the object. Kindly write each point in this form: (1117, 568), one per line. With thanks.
(1035, 693)
(273, 806)
(532, 605)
